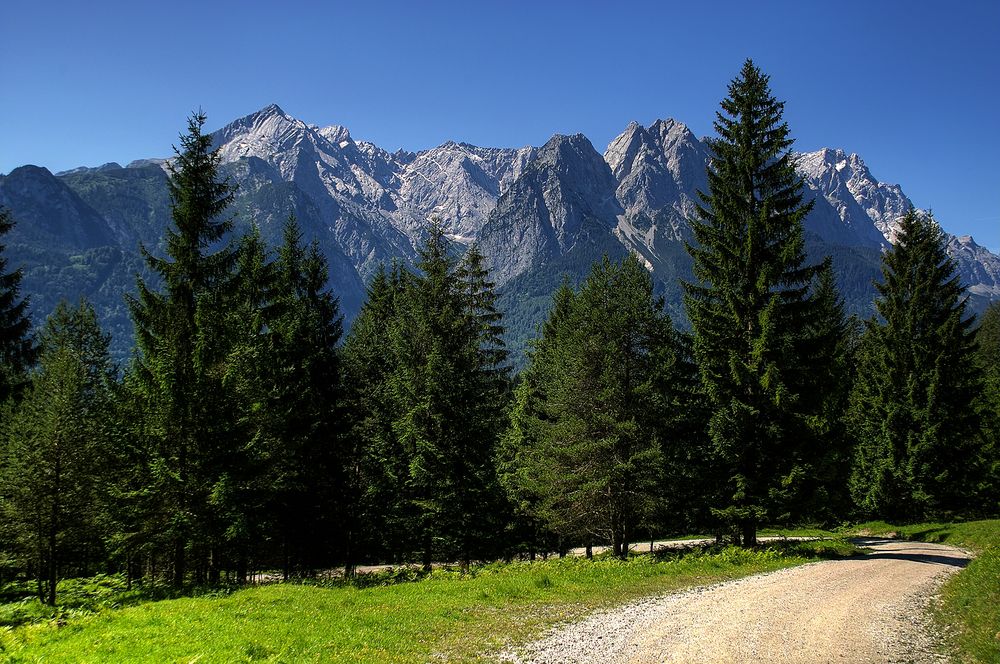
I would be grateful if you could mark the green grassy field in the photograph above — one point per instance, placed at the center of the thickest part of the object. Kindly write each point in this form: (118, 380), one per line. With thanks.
(970, 600)
(446, 615)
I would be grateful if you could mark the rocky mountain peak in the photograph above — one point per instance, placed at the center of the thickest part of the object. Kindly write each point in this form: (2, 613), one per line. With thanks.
(50, 213)
(337, 135)
(263, 134)
(659, 170)
(860, 200)
(575, 163)
(563, 200)
(978, 268)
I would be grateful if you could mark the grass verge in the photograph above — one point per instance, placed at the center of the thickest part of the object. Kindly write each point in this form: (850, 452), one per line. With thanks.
(970, 600)
(446, 615)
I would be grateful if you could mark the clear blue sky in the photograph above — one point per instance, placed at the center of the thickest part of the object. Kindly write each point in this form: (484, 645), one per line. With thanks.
(913, 87)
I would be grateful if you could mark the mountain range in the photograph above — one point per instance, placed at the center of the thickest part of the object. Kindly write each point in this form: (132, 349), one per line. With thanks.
(539, 214)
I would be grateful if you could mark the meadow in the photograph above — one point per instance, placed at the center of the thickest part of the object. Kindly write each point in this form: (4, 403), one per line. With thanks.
(380, 618)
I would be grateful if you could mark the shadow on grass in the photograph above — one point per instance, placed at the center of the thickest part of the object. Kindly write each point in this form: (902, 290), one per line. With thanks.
(19, 604)
(818, 549)
(930, 535)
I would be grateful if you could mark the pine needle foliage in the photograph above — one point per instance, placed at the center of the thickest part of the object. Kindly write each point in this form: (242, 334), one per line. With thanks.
(593, 416)
(17, 347)
(917, 407)
(750, 308)
(180, 338)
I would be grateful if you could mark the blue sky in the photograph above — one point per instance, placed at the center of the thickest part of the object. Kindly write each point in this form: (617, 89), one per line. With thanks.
(913, 87)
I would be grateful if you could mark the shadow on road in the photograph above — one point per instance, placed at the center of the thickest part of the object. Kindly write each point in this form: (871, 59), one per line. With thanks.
(937, 558)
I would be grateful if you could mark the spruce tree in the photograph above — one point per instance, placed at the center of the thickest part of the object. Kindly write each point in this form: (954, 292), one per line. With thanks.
(17, 348)
(54, 467)
(428, 384)
(485, 395)
(917, 407)
(181, 345)
(242, 486)
(591, 422)
(988, 338)
(429, 338)
(749, 307)
(306, 406)
(823, 495)
(379, 467)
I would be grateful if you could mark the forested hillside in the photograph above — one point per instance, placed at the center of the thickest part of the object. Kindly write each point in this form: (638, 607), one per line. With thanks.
(251, 429)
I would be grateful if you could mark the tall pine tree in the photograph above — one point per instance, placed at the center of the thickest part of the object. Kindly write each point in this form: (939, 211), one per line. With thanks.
(917, 408)
(17, 348)
(242, 487)
(592, 419)
(380, 515)
(749, 308)
(438, 368)
(180, 337)
(308, 490)
(427, 379)
(53, 471)
(988, 338)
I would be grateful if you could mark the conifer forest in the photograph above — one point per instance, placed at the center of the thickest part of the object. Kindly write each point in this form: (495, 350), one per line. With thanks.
(251, 430)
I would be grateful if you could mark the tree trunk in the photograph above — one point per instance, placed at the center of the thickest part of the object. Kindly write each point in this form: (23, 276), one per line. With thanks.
(590, 551)
(53, 573)
(128, 571)
(287, 562)
(53, 567)
(749, 534)
(428, 553)
(178, 562)
(350, 564)
(241, 568)
(214, 567)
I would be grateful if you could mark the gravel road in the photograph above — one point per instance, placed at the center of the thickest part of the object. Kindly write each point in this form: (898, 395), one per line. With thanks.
(865, 609)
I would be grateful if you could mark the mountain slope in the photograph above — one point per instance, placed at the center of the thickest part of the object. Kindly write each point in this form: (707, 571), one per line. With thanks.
(565, 197)
(538, 214)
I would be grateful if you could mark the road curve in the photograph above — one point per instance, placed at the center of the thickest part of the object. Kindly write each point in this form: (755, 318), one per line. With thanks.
(866, 609)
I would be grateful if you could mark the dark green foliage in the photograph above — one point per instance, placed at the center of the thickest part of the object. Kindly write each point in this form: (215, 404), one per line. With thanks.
(426, 372)
(241, 489)
(445, 338)
(180, 335)
(750, 311)
(917, 405)
(379, 466)
(307, 457)
(17, 348)
(594, 414)
(53, 466)
(988, 338)
(830, 337)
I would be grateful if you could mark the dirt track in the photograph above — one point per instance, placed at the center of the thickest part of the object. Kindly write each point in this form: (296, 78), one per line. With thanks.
(868, 609)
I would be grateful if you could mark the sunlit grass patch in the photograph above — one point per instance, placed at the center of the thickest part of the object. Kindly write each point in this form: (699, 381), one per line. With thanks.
(447, 614)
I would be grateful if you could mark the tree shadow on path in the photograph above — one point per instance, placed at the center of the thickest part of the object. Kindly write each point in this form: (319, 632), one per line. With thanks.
(956, 559)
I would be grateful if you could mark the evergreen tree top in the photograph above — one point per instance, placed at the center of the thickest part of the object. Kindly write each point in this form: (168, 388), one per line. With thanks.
(921, 288)
(199, 198)
(17, 347)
